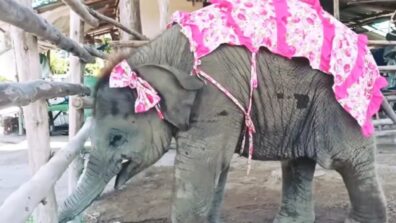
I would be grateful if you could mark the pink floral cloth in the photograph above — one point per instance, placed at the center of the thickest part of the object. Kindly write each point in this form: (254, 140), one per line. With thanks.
(291, 28)
(122, 76)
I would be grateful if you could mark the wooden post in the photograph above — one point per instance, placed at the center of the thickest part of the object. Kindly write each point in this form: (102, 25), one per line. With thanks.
(18, 206)
(163, 6)
(35, 115)
(130, 17)
(336, 8)
(76, 116)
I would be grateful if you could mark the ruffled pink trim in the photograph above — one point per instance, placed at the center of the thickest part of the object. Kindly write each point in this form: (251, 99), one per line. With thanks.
(374, 106)
(328, 37)
(243, 40)
(282, 13)
(341, 91)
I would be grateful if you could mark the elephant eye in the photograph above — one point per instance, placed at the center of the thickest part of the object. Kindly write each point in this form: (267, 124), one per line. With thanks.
(116, 139)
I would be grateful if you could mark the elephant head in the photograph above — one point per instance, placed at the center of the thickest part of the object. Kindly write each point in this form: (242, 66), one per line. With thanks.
(125, 142)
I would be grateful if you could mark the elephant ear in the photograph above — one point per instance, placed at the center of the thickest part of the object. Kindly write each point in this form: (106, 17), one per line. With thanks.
(177, 89)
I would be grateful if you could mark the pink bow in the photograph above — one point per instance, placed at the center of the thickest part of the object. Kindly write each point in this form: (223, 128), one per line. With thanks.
(123, 76)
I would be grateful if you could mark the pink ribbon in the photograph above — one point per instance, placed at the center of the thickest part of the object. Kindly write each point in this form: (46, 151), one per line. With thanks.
(147, 97)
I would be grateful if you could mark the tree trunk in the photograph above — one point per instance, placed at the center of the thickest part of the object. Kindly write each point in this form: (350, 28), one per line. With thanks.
(163, 6)
(20, 204)
(130, 17)
(35, 115)
(76, 116)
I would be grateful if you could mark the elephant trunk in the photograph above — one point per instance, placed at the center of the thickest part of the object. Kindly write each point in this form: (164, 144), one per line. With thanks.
(90, 186)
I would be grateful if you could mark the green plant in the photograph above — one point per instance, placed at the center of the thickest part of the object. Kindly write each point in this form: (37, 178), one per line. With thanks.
(30, 220)
(59, 63)
(93, 69)
(3, 79)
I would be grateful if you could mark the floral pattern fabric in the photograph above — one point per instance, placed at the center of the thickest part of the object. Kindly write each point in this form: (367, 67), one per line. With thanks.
(147, 97)
(292, 28)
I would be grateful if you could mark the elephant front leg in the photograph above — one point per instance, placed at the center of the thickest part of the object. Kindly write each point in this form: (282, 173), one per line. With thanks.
(297, 205)
(200, 175)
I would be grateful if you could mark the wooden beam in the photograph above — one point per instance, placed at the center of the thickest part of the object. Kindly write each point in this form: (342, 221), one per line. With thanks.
(96, 52)
(19, 205)
(368, 1)
(35, 114)
(383, 121)
(385, 132)
(22, 94)
(82, 102)
(79, 8)
(163, 6)
(130, 43)
(381, 43)
(117, 24)
(367, 20)
(387, 68)
(129, 16)
(336, 8)
(25, 18)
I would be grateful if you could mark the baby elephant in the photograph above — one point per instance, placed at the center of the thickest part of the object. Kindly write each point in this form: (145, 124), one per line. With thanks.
(296, 117)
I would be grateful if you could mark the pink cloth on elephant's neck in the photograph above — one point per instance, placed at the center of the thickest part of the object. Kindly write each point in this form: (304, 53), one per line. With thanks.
(292, 28)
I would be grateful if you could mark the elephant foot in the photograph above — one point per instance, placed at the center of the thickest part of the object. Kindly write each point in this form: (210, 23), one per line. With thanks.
(280, 218)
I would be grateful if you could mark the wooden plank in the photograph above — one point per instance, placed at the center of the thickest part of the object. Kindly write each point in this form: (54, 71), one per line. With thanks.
(383, 121)
(391, 97)
(76, 116)
(381, 43)
(79, 8)
(368, 1)
(385, 132)
(387, 68)
(368, 19)
(19, 205)
(25, 18)
(35, 116)
(22, 94)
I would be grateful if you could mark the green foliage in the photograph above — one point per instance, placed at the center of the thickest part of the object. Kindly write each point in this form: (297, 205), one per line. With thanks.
(3, 79)
(93, 69)
(59, 62)
(30, 220)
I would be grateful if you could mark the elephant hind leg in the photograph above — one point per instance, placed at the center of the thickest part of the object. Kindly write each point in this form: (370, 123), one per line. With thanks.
(297, 205)
(360, 177)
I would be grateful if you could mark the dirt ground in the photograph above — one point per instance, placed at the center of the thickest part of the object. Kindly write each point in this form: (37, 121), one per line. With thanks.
(248, 199)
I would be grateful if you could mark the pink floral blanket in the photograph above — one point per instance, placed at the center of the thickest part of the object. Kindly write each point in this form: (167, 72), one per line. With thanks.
(292, 28)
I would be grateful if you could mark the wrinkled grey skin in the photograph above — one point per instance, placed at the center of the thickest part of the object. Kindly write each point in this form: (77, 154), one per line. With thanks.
(297, 119)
